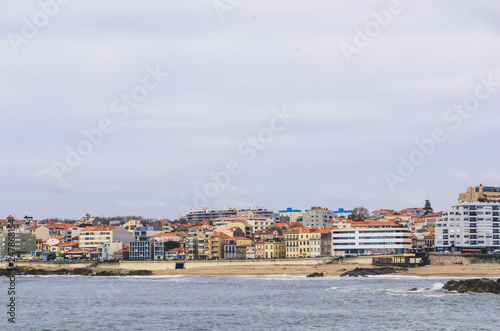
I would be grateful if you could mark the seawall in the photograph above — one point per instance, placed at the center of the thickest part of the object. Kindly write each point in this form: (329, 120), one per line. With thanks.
(168, 265)
(451, 259)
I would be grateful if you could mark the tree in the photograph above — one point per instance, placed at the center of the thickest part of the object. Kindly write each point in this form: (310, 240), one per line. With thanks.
(360, 213)
(428, 208)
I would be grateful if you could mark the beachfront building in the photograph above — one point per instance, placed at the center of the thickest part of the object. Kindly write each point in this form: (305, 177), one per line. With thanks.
(320, 243)
(297, 242)
(469, 226)
(387, 238)
(317, 217)
(274, 249)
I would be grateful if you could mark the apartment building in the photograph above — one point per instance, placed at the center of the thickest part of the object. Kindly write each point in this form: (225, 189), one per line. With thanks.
(24, 244)
(381, 239)
(317, 217)
(297, 242)
(92, 237)
(469, 226)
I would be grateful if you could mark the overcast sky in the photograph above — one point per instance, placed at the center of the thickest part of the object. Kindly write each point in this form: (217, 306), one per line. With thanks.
(128, 107)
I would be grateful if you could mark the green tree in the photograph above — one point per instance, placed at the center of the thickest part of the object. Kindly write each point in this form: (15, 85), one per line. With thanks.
(428, 208)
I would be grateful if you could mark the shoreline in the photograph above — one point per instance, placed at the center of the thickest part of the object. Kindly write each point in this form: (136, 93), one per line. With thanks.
(469, 270)
(490, 270)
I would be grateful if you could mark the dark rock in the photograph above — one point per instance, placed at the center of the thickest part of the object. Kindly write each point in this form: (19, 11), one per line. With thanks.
(482, 285)
(61, 272)
(36, 272)
(316, 274)
(139, 273)
(363, 272)
(82, 271)
(413, 289)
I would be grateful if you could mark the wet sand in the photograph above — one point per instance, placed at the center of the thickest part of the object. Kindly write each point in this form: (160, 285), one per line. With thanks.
(476, 270)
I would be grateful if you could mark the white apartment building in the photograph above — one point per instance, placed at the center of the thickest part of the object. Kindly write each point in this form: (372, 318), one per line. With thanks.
(469, 226)
(371, 240)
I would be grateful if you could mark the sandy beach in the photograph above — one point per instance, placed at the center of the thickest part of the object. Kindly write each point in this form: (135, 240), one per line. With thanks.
(475, 270)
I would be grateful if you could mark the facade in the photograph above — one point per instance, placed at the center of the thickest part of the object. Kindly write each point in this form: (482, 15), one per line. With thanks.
(293, 214)
(250, 252)
(390, 239)
(25, 244)
(297, 242)
(478, 193)
(317, 217)
(274, 249)
(92, 237)
(341, 213)
(39, 231)
(107, 251)
(469, 226)
(202, 215)
(141, 250)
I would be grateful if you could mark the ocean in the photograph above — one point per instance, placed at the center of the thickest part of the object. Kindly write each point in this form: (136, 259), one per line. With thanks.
(245, 303)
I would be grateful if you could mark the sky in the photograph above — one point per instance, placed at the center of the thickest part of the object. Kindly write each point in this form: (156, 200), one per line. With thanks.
(153, 108)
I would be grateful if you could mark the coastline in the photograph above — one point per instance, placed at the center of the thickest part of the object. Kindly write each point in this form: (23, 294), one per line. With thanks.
(476, 270)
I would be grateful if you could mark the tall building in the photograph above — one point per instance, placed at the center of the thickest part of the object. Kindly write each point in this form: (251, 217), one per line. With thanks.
(318, 217)
(469, 226)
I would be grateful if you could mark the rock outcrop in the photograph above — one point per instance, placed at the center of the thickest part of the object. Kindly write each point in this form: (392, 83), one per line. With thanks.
(77, 271)
(363, 272)
(482, 285)
(316, 274)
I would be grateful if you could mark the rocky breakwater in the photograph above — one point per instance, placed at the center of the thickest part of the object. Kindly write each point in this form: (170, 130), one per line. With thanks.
(22, 271)
(363, 272)
(482, 285)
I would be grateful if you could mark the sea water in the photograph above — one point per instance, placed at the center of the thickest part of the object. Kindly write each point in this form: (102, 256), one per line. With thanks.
(245, 303)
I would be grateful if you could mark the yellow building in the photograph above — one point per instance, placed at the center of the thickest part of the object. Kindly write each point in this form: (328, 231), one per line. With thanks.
(297, 242)
(481, 193)
(274, 249)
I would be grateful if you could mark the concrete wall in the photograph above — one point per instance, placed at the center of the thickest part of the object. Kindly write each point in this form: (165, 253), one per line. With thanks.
(450, 259)
(166, 265)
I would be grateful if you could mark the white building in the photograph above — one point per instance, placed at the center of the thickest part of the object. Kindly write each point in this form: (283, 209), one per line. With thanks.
(371, 240)
(293, 214)
(469, 226)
